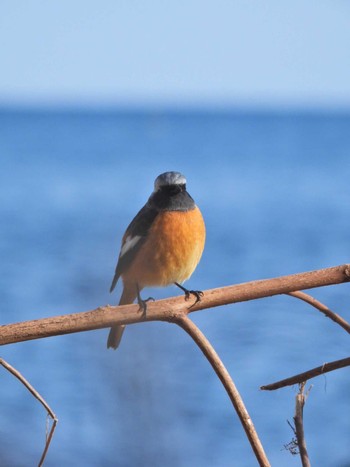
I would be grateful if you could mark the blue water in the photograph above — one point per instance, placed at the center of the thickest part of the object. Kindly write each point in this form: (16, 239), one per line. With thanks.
(274, 191)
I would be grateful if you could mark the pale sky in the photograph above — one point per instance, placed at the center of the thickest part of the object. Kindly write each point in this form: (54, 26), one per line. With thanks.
(184, 52)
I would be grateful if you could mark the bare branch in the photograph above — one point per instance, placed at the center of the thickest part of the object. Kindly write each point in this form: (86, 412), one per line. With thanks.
(42, 401)
(48, 441)
(175, 310)
(224, 376)
(321, 307)
(325, 368)
(299, 425)
(165, 310)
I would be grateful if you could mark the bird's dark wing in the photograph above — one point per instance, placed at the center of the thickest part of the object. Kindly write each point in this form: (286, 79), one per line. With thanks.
(133, 239)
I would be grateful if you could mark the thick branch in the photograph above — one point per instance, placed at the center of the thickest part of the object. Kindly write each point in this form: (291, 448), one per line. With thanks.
(228, 384)
(301, 377)
(165, 310)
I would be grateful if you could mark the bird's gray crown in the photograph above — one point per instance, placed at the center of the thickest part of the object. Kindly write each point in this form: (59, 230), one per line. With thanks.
(169, 178)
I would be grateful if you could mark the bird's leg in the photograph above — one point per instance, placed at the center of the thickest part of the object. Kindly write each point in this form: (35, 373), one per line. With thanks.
(142, 303)
(197, 293)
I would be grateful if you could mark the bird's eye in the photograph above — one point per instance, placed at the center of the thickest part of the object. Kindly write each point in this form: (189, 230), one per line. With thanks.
(174, 189)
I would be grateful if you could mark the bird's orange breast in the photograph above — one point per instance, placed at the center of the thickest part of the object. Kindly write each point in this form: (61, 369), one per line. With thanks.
(172, 250)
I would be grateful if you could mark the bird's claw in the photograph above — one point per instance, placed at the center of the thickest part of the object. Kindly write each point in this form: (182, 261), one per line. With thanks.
(143, 304)
(197, 293)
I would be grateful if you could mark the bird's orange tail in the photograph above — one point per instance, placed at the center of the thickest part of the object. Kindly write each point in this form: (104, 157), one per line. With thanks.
(115, 334)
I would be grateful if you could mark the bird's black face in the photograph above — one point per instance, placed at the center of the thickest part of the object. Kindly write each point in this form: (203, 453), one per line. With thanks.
(172, 197)
(172, 190)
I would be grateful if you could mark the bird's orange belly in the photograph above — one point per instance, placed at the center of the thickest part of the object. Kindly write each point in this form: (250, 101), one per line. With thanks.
(172, 250)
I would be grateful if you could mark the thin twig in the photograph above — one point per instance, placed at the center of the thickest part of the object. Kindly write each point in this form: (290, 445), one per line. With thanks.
(42, 401)
(49, 437)
(292, 446)
(299, 378)
(162, 310)
(219, 368)
(321, 307)
(299, 425)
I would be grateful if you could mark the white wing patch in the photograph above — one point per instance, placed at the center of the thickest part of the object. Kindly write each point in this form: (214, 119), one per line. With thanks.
(129, 243)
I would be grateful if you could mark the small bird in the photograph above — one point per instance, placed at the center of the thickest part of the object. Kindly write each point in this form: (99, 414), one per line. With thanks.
(162, 245)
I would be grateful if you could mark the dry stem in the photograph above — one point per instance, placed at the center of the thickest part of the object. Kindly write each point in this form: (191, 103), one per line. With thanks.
(224, 376)
(299, 378)
(299, 425)
(323, 308)
(42, 401)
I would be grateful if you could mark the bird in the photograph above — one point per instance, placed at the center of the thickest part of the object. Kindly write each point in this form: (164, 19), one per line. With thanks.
(161, 246)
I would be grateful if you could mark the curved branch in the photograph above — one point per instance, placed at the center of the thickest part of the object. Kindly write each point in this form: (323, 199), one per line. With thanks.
(165, 310)
(224, 376)
(42, 401)
(301, 377)
(321, 307)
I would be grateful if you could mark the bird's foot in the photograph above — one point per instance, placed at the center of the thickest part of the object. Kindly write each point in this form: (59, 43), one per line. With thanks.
(197, 293)
(143, 302)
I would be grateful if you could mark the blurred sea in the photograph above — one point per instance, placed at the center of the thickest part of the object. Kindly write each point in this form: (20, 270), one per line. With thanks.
(274, 191)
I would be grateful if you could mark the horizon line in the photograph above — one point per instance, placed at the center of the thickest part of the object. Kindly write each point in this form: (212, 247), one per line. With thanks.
(171, 107)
